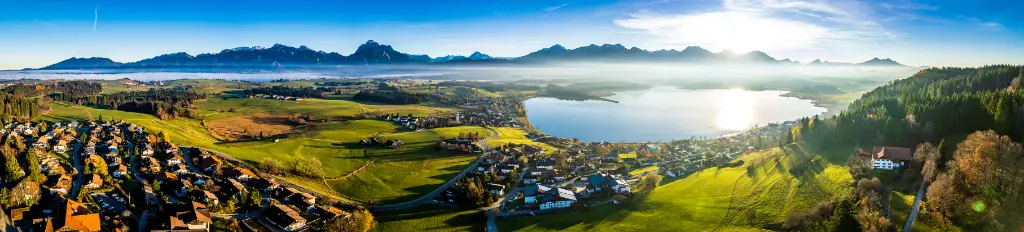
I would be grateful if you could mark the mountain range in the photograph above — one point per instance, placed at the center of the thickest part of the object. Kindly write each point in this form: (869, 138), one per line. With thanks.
(372, 53)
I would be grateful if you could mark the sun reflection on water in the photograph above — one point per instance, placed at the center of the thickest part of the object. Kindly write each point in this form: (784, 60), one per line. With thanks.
(735, 109)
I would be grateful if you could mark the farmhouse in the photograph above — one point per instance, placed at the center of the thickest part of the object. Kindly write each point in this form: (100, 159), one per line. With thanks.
(889, 158)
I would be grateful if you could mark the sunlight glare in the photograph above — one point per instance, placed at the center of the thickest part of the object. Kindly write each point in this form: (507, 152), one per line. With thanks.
(735, 109)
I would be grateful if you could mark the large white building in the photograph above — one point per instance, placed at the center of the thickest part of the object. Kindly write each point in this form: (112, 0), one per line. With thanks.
(890, 158)
(563, 198)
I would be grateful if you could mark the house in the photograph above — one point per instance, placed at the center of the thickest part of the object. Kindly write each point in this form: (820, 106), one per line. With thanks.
(61, 184)
(285, 218)
(595, 182)
(76, 217)
(546, 164)
(195, 217)
(20, 216)
(180, 169)
(95, 182)
(559, 199)
(209, 164)
(234, 188)
(620, 186)
(148, 151)
(209, 197)
(328, 212)
(496, 158)
(495, 189)
(175, 160)
(532, 192)
(120, 171)
(292, 194)
(889, 158)
(241, 174)
(264, 184)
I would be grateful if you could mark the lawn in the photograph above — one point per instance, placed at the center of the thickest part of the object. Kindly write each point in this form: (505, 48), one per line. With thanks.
(392, 175)
(639, 171)
(756, 196)
(430, 218)
(516, 136)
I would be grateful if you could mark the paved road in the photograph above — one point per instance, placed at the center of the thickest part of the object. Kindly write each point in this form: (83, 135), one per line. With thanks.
(491, 225)
(430, 196)
(913, 211)
(76, 158)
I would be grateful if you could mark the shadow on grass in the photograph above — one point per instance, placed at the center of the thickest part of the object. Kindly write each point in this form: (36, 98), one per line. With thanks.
(475, 221)
(588, 219)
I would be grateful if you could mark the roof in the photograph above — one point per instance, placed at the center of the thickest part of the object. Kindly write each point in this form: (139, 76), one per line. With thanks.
(96, 179)
(566, 194)
(77, 217)
(242, 171)
(596, 180)
(892, 153)
(208, 162)
(282, 215)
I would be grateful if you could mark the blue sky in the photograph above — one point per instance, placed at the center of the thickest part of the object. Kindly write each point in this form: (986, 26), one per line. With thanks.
(937, 33)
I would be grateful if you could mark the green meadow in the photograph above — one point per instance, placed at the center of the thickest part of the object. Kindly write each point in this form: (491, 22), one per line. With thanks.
(755, 196)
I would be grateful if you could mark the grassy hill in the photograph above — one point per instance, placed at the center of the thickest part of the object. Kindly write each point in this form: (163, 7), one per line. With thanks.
(391, 175)
(518, 136)
(756, 196)
(430, 218)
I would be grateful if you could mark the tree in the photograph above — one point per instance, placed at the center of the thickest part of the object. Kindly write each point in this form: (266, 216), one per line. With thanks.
(651, 181)
(360, 221)
(233, 225)
(928, 156)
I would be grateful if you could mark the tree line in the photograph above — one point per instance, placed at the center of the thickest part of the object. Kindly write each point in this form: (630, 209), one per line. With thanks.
(163, 103)
(303, 92)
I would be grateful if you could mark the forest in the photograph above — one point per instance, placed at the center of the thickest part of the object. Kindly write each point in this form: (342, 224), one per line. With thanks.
(163, 103)
(390, 97)
(975, 183)
(303, 92)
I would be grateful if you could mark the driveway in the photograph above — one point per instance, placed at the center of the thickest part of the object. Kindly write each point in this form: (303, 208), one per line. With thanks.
(917, 205)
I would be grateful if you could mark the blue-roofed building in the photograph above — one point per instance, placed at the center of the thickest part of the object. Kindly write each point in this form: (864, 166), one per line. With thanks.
(596, 181)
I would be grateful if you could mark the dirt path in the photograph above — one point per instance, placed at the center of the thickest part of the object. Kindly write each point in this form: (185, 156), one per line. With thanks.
(351, 173)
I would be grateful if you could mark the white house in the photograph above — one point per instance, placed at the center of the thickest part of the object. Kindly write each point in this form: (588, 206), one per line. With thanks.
(889, 158)
(620, 186)
(563, 198)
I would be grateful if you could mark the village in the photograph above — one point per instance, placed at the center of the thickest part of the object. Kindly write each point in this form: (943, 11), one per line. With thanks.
(116, 176)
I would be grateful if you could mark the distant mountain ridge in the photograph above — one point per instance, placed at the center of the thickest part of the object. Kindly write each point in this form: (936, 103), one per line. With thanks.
(372, 53)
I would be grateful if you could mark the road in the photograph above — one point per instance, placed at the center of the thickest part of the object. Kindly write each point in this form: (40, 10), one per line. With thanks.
(917, 205)
(492, 226)
(76, 158)
(430, 196)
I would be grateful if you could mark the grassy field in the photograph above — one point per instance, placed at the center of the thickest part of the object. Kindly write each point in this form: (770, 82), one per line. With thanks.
(392, 174)
(218, 107)
(639, 171)
(451, 91)
(430, 218)
(756, 196)
(517, 136)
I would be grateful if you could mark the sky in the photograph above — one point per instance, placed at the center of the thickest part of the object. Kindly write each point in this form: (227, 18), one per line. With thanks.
(934, 33)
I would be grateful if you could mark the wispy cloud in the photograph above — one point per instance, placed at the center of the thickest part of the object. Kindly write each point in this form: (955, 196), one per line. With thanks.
(555, 8)
(745, 25)
(992, 26)
(96, 18)
(46, 24)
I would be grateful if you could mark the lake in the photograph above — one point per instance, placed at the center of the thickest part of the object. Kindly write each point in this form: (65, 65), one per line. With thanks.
(665, 114)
